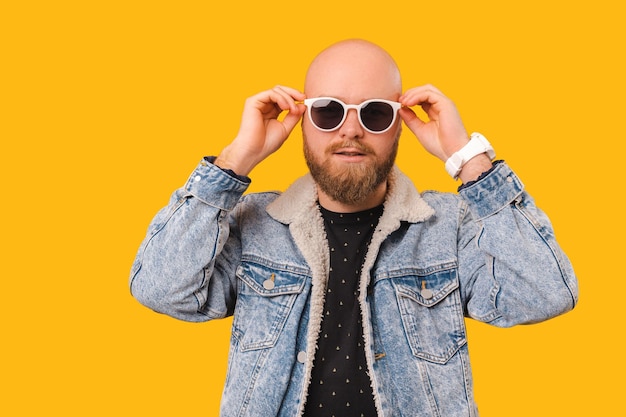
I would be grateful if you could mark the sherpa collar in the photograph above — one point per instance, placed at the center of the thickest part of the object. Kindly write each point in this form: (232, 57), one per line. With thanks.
(402, 203)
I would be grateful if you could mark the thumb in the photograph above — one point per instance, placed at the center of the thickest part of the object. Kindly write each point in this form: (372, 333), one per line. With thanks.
(292, 118)
(411, 120)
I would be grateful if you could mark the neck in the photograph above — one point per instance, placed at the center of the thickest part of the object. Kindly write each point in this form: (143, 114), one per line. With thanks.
(374, 199)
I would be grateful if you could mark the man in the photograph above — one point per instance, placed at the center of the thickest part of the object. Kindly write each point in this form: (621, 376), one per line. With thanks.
(349, 290)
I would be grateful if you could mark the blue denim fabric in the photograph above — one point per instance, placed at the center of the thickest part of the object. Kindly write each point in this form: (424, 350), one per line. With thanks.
(435, 258)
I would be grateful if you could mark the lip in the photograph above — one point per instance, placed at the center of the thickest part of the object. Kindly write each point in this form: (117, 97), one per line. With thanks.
(350, 154)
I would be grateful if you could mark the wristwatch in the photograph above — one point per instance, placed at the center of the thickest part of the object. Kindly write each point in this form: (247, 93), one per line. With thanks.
(478, 144)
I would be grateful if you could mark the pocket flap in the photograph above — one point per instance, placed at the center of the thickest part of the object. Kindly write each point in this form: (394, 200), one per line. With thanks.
(270, 282)
(427, 287)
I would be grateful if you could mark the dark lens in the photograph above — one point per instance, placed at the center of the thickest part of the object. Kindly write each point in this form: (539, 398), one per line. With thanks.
(377, 116)
(326, 114)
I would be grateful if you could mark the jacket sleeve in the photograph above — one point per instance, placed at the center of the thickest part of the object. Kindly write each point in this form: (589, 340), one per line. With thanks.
(185, 265)
(511, 268)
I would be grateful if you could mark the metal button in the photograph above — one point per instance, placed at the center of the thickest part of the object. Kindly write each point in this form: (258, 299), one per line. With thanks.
(197, 178)
(268, 284)
(302, 356)
(426, 293)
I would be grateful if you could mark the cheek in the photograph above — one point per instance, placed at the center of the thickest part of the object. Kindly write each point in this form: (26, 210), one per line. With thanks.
(387, 147)
(308, 130)
(314, 140)
(385, 143)
(312, 147)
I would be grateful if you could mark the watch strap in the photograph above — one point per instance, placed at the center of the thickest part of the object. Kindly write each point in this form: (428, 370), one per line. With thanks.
(478, 144)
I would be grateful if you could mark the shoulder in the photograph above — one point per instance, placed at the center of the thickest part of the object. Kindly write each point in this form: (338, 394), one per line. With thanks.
(257, 201)
(442, 198)
(446, 204)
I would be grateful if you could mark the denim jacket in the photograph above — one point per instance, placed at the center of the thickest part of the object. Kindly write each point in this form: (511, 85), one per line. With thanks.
(435, 258)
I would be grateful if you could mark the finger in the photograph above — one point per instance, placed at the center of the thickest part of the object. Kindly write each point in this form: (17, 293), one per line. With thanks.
(274, 101)
(293, 117)
(283, 103)
(427, 88)
(433, 89)
(426, 96)
(295, 94)
(419, 97)
(287, 97)
(411, 120)
(432, 103)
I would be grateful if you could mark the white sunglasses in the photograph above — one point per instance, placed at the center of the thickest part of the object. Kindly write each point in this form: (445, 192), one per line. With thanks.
(375, 115)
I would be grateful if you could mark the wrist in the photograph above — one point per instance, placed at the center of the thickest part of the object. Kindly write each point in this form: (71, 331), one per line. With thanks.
(476, 155)
(228, 160)
(474, 168)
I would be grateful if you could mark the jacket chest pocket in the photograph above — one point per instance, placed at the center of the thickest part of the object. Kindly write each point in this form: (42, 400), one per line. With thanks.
(432, 314)
(266, 297)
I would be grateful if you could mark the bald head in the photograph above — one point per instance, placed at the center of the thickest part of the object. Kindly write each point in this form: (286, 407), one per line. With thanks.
(353, 70)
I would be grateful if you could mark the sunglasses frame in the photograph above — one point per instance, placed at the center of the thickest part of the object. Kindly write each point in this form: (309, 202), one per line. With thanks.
(394, 105)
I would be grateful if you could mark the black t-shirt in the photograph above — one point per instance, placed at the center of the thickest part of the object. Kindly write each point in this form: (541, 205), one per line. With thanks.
(340, 384)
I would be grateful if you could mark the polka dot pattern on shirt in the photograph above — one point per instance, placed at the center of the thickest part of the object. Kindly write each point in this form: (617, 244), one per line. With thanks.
(340, 384)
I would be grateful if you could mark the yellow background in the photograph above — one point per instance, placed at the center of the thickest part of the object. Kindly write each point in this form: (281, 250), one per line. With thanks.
(108, 105)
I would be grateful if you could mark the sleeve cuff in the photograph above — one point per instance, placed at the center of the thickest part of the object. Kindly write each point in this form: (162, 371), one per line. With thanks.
(242, 178)
(494, 190)
(215, 187)
(483, 175)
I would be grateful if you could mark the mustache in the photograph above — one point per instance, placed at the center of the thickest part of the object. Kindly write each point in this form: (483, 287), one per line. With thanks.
(349, 144)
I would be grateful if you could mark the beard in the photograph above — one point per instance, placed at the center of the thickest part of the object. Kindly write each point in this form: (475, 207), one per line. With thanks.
(350, 183)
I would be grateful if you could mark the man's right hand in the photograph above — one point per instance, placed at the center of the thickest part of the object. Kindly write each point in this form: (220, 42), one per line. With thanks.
(261, 133)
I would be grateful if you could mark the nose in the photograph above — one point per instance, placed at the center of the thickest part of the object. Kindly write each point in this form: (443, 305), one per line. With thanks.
(351, 127)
